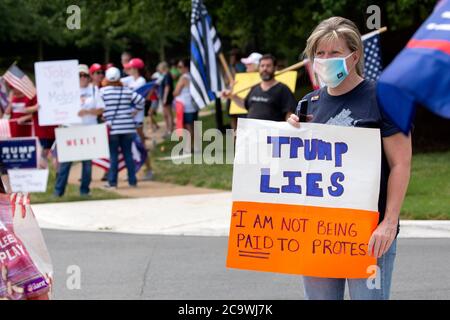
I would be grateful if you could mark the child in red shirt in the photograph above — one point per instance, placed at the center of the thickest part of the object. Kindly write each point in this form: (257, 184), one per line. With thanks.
(19, 120)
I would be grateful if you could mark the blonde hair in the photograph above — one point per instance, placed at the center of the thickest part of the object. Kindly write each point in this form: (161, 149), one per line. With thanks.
(335, 28)
(106, 83)
(162, 66)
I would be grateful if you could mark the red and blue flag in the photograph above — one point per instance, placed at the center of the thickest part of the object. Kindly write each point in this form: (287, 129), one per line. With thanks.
(420, 74)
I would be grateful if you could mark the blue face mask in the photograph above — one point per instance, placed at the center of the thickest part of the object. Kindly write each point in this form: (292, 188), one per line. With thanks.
(331, 71)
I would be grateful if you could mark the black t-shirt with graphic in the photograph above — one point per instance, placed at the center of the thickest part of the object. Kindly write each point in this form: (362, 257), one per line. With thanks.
(357, 108)
(272, 104)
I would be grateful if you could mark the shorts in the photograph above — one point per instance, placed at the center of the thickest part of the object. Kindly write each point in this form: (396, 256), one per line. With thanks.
(190, 117)
(46, 143)
(155, 104)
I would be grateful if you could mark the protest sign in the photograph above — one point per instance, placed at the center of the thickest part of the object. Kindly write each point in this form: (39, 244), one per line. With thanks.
(19, 153)
(28, 180)
(85, 142)
(58, 92)
(245, 80)
(26, 267)
(305, 201)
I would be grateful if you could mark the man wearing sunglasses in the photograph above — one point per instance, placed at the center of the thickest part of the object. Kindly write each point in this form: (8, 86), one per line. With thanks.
(97, 75)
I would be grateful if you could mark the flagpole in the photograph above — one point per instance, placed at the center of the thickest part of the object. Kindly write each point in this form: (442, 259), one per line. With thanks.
(301, 64)
(218, 102)
(373, 33)
(225, 67)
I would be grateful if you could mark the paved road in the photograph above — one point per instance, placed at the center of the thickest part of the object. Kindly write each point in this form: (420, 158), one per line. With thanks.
(124, 266)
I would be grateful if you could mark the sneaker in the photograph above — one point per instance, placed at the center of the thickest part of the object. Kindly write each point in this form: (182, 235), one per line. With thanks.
(109, 187)
(133, 185)
(148, 176)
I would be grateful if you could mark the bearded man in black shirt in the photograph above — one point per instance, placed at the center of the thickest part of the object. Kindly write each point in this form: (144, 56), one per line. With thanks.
(269, 100)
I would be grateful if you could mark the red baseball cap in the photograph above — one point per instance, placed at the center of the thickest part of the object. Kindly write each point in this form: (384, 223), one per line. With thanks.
(95, 67)
(135, 63)
(109, 65)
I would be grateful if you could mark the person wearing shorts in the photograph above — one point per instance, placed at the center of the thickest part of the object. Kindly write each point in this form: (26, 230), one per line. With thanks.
(182, 94)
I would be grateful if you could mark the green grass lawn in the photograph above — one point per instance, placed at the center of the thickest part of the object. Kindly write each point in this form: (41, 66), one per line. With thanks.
(428, 195)
(217, 176)
(72, 193)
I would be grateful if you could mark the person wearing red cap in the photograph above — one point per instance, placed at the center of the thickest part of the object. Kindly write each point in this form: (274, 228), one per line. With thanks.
(134, 68)
(97, 75)
(134, 81)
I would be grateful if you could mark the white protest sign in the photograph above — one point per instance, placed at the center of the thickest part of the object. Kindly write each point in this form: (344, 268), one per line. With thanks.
(310, 157)
(28, 180)
(84, 142)
(58, 92)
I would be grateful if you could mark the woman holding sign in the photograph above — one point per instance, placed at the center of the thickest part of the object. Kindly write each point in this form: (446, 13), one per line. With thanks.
(347, 99)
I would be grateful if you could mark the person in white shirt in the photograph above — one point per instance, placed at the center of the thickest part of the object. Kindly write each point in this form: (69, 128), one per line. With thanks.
(92, 106)
(183, 95)
(134, 81)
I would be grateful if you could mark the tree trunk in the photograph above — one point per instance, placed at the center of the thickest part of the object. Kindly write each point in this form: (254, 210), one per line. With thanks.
(162, 51)
(40, 49)
(107, 52)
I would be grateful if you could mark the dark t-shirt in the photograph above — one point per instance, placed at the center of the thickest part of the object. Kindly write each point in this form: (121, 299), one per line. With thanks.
(167, 81)
(357, 108)
(272, 104)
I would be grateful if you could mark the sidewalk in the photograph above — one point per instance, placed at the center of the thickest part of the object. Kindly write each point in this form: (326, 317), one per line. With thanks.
(193, 215)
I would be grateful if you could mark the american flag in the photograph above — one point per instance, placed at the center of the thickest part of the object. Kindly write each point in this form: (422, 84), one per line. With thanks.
(19, 80)
(5, 130)
(139, 156)
(3, 95)
(372, 57)
(206, 77)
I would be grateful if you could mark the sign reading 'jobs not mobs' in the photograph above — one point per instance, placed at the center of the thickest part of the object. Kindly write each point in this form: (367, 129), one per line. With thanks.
(305, 201)
(58, 92)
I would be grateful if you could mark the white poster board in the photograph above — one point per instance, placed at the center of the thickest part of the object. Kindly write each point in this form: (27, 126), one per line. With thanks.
(84, 142)
(28, 180)
(58, 92)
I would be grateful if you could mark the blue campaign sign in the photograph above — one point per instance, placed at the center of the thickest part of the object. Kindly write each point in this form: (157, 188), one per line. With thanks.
(19, 153)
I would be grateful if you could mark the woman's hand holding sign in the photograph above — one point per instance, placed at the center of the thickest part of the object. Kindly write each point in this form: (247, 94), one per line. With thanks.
(295, 120)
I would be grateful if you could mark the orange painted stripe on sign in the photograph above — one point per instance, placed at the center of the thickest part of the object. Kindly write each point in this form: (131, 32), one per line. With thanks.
(306, 240)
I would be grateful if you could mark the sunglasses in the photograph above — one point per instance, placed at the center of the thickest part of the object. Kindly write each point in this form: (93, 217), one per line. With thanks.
(83, 75)
(99, 72)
